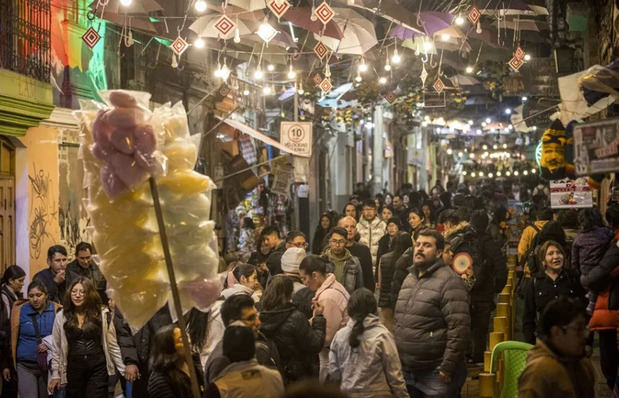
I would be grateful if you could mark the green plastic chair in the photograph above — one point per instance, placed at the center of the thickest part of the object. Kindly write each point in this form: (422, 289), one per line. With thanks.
(515, 354)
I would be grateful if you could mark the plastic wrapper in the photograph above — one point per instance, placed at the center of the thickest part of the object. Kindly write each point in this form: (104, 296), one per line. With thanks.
(123, 144)
(600, 81)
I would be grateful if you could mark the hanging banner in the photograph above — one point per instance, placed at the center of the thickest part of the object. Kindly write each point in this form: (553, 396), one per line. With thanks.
(596, 147)
(570, 194)
(297, 136)
(281, 181)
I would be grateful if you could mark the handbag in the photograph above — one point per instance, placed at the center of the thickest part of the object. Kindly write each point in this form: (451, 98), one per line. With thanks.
(41, 356)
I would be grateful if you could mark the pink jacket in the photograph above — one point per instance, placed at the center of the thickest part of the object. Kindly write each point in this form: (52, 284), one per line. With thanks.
(334, 298)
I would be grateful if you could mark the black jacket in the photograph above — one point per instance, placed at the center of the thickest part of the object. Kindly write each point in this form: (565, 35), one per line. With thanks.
(602, 276)
(274, 261)
(297, 341)
(74, 270)
(491, 272)
(399, 274)
(125, 341)
(54, 292)
(160, 385)
(362, 252)
(143, 338)
(541, 291)
(387, 270)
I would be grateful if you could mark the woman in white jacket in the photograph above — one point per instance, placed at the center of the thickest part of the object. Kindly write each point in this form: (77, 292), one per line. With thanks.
(363, 357)
(85, 350)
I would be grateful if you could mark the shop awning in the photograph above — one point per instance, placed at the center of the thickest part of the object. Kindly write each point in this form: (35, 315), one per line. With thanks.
(245, 129)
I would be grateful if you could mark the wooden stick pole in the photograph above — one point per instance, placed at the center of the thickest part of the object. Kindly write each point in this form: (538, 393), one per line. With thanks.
(176, 297)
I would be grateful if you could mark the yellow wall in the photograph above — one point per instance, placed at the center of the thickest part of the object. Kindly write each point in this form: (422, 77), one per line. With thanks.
(42, 178)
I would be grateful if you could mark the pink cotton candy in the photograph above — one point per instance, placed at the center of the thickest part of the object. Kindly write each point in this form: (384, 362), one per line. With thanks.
(127, 169)
(112, 185)
(203, 292)
(123, 141)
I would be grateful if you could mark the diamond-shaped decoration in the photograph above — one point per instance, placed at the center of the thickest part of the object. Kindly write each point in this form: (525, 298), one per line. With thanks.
(324, 13)
(224, 90)
(278, 8)
(424, 75)
(224, 25)
(438, 85)
(390, 97)
(519, 53)
(317, 79)
(267, 32)
(320, 50)
(326, 85)
(179, 46)
(515, 63)
(91, 37)
(473, 15)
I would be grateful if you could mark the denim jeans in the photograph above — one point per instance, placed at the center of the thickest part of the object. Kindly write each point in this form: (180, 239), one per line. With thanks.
(428, 383)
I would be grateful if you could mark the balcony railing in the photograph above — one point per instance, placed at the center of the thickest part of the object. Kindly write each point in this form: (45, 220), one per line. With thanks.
(25, 37)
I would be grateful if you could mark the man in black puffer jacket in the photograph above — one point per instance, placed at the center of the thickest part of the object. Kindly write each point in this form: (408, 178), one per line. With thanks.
(432, 322)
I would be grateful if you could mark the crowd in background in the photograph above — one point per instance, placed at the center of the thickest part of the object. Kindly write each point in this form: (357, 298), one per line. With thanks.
(392, 296)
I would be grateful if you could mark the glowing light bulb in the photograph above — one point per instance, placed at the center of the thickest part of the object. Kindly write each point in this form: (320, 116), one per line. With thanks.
(470, 122)
(445, 37)
(527, 57)
(464, 172)
(498, 173)
(427, 45)
(495, 146)
(395, 58)
(490, 175)
(246, 92)
(484, 147)
(258, 74)
(363, 67)
(469, 69)
(533, 171)
(199, 43)
(516, 172)
(387, 67)
(524, 99)
(358, 79)
(488, 120)
(126, 3)
(460, 154)
(526, 172)
(508, 111)
(382, 80)
(484, 124)
(270, 67)
(266, 90)
(450, 151)
(291, 73)
(473, 175)
(481, 173)
(200, 6)
(459, 20)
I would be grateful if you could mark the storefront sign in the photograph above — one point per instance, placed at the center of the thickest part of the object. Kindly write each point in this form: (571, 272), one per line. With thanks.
(596, 147)
(569, 194)
(281, 182)
(297, 136)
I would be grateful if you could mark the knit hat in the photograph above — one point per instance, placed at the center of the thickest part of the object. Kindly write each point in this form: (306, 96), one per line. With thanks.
(291, 259)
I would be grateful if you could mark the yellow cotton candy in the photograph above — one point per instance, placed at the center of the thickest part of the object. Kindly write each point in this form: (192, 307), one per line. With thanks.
(185, 182)
(181, 155)
(139, 299)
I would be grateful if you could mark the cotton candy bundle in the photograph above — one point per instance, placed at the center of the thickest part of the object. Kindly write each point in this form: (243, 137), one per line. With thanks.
(123, 144)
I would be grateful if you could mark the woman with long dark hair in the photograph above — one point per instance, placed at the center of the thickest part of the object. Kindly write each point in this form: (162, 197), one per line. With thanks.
(243, 279)
(11, 287)
(34, 320)
(363, 357)
(298, 342)
(322, 229)
(170, 376)
(85, 350)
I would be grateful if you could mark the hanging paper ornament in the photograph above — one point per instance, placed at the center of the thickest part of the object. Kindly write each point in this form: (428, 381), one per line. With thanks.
(278, 7)
(478, 30)
(91, 37)
(267, 32)
(324, 13)
(515, 63)
(327, 70)
(519, 53)
(424, 75)
(224, 90)
(237, 35)
(313, 16)
(130, 41)
(326, 85)
(390, 97)
(438, 85)
(317, 79)
(473, 15)
(224, 25)
(174, 61)
(179, 46)
(320, 50)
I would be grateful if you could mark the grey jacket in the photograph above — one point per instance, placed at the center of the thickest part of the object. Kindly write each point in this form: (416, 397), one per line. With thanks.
(352, 276)
(432, 321)
(373, 368)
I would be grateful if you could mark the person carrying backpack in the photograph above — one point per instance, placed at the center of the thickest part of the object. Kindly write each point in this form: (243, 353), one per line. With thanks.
(542, 217)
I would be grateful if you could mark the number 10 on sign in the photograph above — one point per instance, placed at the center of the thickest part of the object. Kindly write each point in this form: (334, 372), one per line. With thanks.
(297, 136)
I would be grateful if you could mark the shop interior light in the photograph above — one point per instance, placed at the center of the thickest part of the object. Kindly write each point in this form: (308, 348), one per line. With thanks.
(199, 43)
(266, 32)
(427, 45)
(469, 69)
(463, 172)
(498, 173)
(246, 92)
(300, 91)
(481, 173)
(516, 172)
(200, 6)
(459, 20)
(524, 99)
(126, 3)
(508, 173)
(266, 90)
(450, 151)
(504, 146)
(387, 66)
(460, 154)
(258, 74)
(490, 175)
(488, 120)
(358, 79)
(470, 122)
(291, 73)
(473, 174)
(472, 155)
(270, 67)
(363, 67)
(484, 147)
(526, 172)
(445, 37)
(533, 171)
(508, 111)
(495, 146)
(382, 80)
(527, 57)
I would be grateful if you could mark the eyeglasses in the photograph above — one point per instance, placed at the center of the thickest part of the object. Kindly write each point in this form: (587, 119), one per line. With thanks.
(77, 293)
(337, 242)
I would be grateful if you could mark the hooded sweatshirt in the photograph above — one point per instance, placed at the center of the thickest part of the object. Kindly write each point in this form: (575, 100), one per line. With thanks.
(548, 374)
(334, 298)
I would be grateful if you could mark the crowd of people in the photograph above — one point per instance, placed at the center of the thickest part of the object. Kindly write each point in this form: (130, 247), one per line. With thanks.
(393, 297)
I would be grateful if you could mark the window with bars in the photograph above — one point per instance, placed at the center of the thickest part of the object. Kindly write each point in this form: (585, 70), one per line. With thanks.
(25, 37)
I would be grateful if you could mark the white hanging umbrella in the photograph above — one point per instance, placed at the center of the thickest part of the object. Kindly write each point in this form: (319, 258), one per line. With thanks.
(359, 34)
(249, 5)
(205, 27)
(136, 7)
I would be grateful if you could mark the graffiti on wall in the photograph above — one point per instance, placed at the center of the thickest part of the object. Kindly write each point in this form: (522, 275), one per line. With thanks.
(42, 209)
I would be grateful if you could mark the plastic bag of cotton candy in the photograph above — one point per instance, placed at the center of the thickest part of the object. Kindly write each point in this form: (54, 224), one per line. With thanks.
(123, 144)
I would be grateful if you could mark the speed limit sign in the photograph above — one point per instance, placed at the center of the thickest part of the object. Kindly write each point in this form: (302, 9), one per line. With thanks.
(297, 136)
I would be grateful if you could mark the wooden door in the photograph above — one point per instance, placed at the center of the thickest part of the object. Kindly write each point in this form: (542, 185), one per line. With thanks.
(7, 204)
